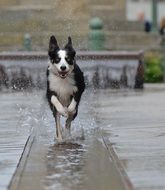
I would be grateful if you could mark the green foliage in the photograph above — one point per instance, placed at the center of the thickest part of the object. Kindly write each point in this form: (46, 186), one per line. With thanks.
(153, 69)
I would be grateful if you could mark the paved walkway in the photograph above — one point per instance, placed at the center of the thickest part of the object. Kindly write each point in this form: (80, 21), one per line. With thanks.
(76, 165)
(16, 122)
(122, 129)
(134, 124)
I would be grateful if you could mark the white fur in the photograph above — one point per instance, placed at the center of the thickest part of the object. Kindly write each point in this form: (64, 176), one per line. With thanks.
(63, 62)
(56, 68)
(72, 106)
(63, 111)
(63, 87)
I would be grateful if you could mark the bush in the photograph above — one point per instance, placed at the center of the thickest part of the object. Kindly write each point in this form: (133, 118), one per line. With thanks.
(153, 69)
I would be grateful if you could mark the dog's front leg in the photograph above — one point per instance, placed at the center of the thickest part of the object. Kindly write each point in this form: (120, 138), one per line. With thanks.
(71, 112)
(59, 107)
(60, 111)
(72, 107)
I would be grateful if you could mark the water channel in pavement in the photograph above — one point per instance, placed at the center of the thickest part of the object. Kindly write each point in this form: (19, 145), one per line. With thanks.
(79, 163)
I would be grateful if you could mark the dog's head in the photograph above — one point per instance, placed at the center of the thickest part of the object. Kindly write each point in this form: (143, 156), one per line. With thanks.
(61, 60)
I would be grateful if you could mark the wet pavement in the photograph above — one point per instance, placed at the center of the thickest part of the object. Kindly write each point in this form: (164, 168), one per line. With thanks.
(134, 124)
(80, 163)
(117, 134)
(16, 122)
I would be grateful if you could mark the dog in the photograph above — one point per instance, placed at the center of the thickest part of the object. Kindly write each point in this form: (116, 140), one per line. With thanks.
(65, 84)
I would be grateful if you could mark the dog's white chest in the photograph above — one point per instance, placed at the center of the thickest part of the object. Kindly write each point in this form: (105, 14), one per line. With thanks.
(64, 88)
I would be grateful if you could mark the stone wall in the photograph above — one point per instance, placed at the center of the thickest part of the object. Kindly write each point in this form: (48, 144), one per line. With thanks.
(42, 18)
(5, 3)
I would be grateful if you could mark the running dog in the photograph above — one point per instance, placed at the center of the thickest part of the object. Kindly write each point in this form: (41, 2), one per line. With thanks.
(65, 84)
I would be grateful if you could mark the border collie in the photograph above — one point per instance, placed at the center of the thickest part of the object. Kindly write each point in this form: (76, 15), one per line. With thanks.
(65, 84)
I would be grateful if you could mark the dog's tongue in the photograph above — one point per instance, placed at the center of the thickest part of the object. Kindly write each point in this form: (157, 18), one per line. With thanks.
(63, 74)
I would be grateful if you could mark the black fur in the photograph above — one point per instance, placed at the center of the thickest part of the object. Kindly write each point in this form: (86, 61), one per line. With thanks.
(79, 79)
(78, 74)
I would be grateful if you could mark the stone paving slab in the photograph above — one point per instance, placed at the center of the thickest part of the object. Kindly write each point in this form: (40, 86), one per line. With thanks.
(14, 132)
(133, 123)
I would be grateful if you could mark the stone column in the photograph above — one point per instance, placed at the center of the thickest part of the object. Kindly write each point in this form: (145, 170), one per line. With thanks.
(155, 15)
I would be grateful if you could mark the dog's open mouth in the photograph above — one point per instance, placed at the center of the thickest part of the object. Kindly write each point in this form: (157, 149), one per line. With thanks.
(63, 74)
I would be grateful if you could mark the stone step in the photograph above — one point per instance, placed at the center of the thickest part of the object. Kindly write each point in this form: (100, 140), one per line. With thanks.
(107, 12)
(40, 22)
(114, 40)
(132, 40)
(114, 18)
(33, 20)
(34, 25)
(42, 19)
(36, 2)
(102, 2)
(13, 41)
(123, 25)
(41, 12)
(64, 9)
(4, 3)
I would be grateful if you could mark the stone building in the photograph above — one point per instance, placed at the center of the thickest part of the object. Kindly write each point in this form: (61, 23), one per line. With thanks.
(41, 18)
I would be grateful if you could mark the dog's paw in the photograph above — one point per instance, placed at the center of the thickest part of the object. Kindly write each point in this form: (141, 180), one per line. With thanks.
(59, 139)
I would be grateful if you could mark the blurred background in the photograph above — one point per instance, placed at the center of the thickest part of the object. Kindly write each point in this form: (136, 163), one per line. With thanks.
(120, 47)
(127, 23)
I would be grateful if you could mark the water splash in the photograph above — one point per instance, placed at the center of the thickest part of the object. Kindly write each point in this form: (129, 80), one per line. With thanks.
(23, 75)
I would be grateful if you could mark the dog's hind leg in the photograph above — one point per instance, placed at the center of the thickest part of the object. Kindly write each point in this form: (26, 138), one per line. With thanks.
(68, 126)
(58, 127)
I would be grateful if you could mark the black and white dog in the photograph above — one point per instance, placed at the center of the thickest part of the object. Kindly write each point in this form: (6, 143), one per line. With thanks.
(65, 84)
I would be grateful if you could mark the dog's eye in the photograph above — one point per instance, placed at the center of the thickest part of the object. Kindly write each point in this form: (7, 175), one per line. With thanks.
(56, 60)
(69, 60)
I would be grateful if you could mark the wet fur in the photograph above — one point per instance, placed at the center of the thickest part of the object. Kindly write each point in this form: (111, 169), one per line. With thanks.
(63, 94)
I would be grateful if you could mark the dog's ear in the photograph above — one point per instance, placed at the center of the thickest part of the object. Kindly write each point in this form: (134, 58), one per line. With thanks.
(69, 44)
(53, 46)
(69, 47)
(69, 41)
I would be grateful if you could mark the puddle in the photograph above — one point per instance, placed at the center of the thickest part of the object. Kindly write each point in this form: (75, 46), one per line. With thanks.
(67, 146)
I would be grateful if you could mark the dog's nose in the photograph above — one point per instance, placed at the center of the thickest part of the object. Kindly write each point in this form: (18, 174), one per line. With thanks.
(63, 68)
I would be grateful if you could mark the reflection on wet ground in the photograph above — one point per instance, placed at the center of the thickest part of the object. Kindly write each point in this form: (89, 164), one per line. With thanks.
(64, 165)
